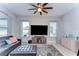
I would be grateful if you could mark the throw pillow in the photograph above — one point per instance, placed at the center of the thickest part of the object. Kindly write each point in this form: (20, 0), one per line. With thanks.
(13, 39)
(8, 41)
(2, 43)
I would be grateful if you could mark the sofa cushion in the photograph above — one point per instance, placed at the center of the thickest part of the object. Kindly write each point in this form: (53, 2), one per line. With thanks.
(1, 44)
(3, 48)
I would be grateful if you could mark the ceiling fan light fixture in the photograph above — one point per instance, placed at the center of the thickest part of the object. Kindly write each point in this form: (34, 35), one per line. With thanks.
(39, 9)
(40, 5)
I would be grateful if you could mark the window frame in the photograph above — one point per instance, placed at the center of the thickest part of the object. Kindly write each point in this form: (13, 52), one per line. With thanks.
(22, 27)
(5, 17)
(49, 28)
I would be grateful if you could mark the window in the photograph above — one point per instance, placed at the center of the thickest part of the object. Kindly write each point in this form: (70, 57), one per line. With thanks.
(25, 28)
(52, 29)
(3, 26)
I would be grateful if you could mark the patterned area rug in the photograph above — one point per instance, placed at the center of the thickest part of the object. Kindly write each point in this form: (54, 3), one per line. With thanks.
(47, 50)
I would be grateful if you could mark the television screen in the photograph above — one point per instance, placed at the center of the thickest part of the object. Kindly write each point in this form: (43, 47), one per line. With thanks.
(39, 29)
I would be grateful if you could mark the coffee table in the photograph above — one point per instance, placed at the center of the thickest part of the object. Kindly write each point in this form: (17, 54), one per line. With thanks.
(24, 50)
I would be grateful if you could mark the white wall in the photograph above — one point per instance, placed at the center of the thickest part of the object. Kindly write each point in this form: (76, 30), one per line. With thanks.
(71, 27)
(60, 30)
(35, 20)
(15, 25)
(38, 20)
(71, 22)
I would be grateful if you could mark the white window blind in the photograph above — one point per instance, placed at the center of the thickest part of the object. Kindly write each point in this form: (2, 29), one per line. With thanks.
(52, 29)
(25, 28)
(3, 26)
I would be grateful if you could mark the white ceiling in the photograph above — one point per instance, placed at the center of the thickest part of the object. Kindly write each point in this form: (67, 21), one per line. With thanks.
(21, 9)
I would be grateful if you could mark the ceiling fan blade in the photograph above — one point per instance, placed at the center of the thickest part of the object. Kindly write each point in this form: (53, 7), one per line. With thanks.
(48, 8)
(34, 12)
(32, 9)
(44, 4)
(33, 5)
(38, 3)
(40, 13)
(44, 11)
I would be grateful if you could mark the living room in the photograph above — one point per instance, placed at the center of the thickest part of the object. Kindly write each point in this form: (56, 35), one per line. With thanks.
(53, 32)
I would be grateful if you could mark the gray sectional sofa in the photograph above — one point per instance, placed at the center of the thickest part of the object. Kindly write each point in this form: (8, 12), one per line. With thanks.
(6, 49)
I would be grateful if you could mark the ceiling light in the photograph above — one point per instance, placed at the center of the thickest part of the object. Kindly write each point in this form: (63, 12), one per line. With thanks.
(39, 9)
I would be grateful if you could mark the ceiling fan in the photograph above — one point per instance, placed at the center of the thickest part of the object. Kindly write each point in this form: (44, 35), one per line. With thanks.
(40, 7)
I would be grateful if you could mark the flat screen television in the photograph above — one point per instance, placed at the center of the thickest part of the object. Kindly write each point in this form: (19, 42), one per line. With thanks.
(39, 29)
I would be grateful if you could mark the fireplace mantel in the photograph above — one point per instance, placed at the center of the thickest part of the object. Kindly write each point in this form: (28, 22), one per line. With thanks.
(39, 39)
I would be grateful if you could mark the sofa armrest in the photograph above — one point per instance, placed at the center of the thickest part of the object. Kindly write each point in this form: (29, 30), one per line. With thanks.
(19, 40)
